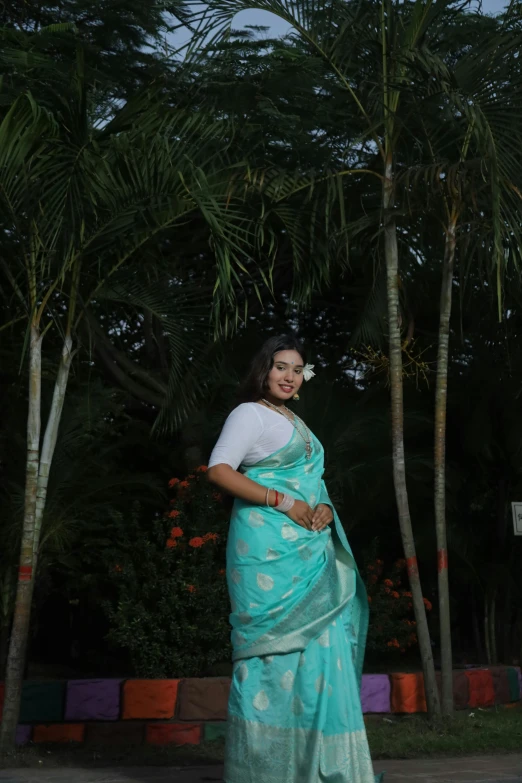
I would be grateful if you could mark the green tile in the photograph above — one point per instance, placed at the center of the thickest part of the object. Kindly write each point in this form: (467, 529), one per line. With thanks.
(514, 687)
(215, 731)
(42, 702)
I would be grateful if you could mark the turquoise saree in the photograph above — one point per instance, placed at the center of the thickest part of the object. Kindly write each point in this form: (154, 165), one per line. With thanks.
(299, 619)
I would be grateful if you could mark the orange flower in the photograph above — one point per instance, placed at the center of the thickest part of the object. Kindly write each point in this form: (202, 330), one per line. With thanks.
(191, 588)
(380, 562)
(184, 484)
(400, 563)
(176, 532)
(407, 595)
(192, 476)
(427, 604)
(196, 542)
(393, 643)
(174, 514)
(173, 482)
(373, 579)
(388, 583)
(217, 496)
(210, 537)
(371, 568)
(118, 568)
(171, 543)
(395, 594)
(222, 572)
(369, 599)
(202, 469)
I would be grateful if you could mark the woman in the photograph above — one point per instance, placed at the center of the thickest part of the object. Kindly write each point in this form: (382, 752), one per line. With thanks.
(299, 607)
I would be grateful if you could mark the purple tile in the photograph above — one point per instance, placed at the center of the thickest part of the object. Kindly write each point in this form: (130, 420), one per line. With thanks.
(93, 700)
(376, 693)
(23, 735)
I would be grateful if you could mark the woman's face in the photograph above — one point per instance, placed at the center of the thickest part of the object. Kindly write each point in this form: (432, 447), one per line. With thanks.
(286, 376)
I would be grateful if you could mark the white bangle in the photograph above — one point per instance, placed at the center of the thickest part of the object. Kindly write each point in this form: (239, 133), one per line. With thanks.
(285, 504)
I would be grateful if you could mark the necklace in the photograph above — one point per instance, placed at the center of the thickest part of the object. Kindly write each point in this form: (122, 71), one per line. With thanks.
(296, 423)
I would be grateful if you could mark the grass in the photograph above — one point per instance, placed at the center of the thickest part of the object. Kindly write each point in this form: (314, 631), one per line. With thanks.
(471, 732)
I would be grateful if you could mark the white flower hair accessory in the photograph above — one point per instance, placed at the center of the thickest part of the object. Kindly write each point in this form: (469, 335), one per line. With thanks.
(307, 372)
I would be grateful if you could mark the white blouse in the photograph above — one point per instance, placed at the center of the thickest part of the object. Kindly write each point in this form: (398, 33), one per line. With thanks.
(251, 433)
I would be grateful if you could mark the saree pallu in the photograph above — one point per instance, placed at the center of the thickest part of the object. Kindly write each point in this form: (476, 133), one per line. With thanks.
(299, 619)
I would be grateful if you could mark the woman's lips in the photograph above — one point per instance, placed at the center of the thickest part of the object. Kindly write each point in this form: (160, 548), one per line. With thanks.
(286, 389)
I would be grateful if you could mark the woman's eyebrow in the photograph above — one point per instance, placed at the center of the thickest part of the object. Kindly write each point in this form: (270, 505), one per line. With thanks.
(288, 363)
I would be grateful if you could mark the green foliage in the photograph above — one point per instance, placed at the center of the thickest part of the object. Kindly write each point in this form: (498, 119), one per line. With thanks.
(392, 625)
(274, 107)
(469, 733)
(123, 43)
(170, 602)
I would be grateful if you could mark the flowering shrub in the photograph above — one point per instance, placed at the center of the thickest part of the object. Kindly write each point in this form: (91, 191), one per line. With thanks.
(170, 607)
(392, 623)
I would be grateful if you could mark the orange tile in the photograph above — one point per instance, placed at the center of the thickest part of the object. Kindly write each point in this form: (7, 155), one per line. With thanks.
(173, 734)
(407, 693)
(144, 699)
(59, 732)
(481, 688)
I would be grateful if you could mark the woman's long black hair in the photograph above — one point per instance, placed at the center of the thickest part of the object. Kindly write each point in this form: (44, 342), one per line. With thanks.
(254, 385)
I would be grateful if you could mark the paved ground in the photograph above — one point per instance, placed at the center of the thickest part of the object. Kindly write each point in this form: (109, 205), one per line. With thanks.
(482, 769)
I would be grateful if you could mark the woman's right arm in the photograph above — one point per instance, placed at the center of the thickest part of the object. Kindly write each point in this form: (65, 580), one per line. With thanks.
(233, 482)
(228, 479)
(240, 433)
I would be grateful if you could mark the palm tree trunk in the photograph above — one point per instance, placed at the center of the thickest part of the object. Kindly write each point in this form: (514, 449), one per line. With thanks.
(6, 613)
(397, 417)
(50, 438)
(4, 643)
(37, 474)
(477, 636)
(493, 627)
(24, 592)
(506, 624)
(441, 400)
(487, 630)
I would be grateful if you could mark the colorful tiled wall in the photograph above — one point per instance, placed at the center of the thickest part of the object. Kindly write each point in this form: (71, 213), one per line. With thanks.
(180, 712)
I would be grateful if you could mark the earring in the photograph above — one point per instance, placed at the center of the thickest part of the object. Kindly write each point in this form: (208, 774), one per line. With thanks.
(295, 397)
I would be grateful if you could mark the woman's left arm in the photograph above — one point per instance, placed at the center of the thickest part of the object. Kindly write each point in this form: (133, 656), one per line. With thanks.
(323, 512)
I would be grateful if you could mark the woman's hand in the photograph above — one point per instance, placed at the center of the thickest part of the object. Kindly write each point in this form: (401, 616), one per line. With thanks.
(322, 516)
(302, 514)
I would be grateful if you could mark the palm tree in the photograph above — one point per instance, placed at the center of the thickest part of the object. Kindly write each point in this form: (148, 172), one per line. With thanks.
(470, 172)
(428, 73)
(352, 40)
(78, 204)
